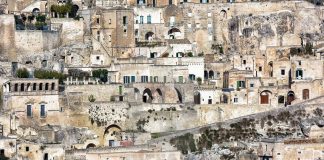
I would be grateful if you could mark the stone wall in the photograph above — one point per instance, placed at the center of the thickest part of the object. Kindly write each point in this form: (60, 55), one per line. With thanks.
(31, 41)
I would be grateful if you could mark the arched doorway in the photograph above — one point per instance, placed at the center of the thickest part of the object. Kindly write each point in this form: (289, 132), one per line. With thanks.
(225, 98)
(197, 98)
(112, 134)
(147, 96)
(158, 96)
(290, 97)
(74, 11)
(36, 11)
(91, 145)
(173, 33)
(305, 94)
(265, 97)
(136, 93)
(149, 36)
(179, 95)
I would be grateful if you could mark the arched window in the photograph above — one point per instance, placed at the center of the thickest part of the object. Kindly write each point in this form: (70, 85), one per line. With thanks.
(290, 97)
(211, 74)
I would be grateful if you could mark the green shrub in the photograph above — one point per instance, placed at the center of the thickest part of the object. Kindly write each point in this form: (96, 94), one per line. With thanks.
(199, 80)
(101, 74)
(91, 98)
(22, 73)
(189, 54)
(41, 18)
(45, 74)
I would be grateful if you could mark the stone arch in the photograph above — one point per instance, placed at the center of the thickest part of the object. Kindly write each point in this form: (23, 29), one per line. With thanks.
(112, 134)
(53, 87)
(16, 87)
(22, 87)
(179, 95)
(290, 97)
(40, 86)
(158, 96)
(305, 94)
(223, 13)
(90, 145)
(265, 97)
(113, 126)
(225, 98)
(149, 36)
(147, 96)
(46, 87)
(206, 74)
(173, 30)
(211, 74)
(74, 10)
(136, 93)
(36, 11)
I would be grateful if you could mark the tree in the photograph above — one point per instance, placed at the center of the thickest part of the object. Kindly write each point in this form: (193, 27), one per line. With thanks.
(91, 98)
(199, 80)
(101, 74)
(189, 54)
(22, 73)
(41, 18)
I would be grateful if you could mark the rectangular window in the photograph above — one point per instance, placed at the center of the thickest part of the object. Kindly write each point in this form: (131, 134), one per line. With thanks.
(251, 85)
(240, 84)
(149, 19)
(151, 79)
(156, 79)
(125, 20)
(192, 77)
(144, 79)
(29, 110)
(282, 72)
(260, 68)
(27, 149)
(244, 61)
(98, 35)
(164, 79)
(180, 79)
(126, 79)
(42, 111)
(172, 21)
(98, 20)
(133, 79)
(235, 100)
(141, 19)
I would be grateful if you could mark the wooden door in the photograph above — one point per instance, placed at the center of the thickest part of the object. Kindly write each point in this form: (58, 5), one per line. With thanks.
(264, 99)
(305, 94)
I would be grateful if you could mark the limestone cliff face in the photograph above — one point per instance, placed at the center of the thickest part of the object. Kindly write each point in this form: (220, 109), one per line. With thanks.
(7, 34)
